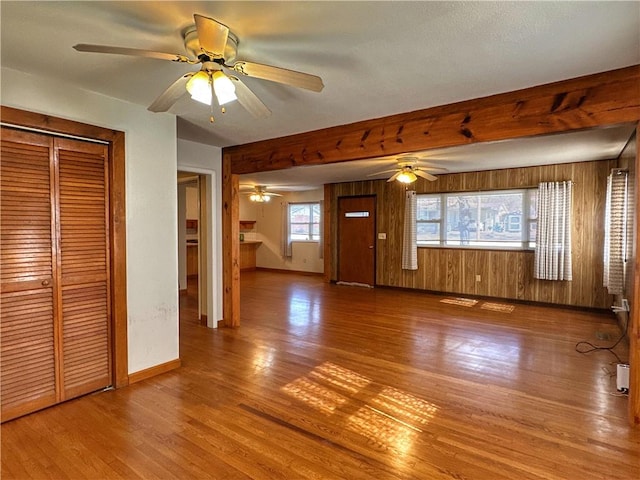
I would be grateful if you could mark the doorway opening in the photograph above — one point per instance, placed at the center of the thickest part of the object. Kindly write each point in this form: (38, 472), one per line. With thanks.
(191, 223)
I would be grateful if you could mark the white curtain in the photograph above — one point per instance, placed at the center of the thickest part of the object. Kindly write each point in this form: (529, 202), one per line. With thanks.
(321, 229)
(409, 241)
(615, 233)
(553, 240)
(287, 251)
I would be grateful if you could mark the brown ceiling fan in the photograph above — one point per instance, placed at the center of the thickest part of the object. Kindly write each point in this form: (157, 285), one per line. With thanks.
(258, 193)
(408, 170)
(214, 48)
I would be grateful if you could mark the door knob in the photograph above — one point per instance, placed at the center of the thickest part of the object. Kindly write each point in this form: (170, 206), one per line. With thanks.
(370, 246)
(45, 283)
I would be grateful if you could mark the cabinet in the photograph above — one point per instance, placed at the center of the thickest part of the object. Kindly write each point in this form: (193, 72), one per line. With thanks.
(247, 224)
(192, 259)
(248, 245)
(248, 254)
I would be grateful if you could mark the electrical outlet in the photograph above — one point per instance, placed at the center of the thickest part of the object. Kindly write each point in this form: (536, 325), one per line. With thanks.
(622, 377)
(478, 279)
(625, 304)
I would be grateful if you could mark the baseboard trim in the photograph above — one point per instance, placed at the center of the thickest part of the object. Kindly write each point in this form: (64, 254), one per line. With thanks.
(295, 272)
(221, 324)
(203, 320)
(182, 292)
(499, 299)
(153, 371)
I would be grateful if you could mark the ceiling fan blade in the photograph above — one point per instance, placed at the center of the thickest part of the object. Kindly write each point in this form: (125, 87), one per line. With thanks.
(280, 75)
(136, 52)
(249, 100)
(212, 35)
(428, 176)
(394, 176)
(171, 94)
(380, 173)
(269, 194)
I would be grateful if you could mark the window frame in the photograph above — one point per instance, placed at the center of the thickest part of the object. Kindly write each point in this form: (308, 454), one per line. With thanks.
(310, 223)
(526, 220)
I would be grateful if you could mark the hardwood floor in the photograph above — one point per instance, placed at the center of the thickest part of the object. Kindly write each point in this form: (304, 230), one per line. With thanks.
(337, 382)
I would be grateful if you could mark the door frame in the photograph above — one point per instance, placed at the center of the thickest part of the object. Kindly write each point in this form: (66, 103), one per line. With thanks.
(375, 229)
(13, 117)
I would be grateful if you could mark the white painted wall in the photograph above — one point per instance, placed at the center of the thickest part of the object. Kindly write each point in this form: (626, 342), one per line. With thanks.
(182, 236)
(151, 190)
(268, 217)
(193, 209)
(207, 160)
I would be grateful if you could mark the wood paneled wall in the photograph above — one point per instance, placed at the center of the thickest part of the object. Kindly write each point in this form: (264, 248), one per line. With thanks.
(504, 274)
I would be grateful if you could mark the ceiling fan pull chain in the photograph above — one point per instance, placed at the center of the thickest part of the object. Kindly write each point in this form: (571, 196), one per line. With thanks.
(211, 119)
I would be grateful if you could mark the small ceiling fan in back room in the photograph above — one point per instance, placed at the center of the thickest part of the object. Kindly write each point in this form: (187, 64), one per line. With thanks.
(258, 193)
(214, 48)
(409, 168)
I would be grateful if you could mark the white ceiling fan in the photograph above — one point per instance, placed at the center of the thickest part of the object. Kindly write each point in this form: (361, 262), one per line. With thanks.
(408, 170)
(214, 47)
(258, 193)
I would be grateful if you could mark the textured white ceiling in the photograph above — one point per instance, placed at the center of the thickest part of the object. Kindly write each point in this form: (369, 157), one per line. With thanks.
(376, 58)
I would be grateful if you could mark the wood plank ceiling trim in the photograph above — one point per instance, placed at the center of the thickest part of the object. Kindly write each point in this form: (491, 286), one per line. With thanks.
(605, 98)
(117, 226)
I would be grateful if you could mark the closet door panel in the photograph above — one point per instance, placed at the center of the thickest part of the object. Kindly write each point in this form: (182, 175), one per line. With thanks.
(27, 274)
(84, 266)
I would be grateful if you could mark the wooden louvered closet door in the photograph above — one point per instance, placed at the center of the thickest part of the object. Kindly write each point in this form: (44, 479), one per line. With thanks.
(27, 270)
(54, 267)
(84, 266)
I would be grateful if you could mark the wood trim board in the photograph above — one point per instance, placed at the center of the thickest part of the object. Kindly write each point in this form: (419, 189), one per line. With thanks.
(141, 375)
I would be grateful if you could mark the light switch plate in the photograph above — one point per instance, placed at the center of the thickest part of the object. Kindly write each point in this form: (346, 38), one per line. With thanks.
(382, 236)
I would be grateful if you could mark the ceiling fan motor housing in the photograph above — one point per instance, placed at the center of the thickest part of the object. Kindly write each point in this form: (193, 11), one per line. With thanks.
(192, 44)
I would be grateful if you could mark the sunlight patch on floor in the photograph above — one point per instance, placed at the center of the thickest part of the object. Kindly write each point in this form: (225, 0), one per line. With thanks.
(386, 417)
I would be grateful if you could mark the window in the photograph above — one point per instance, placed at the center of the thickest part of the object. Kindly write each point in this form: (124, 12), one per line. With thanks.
(304, 222)
(493, 219)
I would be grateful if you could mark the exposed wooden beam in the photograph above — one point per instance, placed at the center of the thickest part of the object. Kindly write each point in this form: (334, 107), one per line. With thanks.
(230, 246)
(601, 99)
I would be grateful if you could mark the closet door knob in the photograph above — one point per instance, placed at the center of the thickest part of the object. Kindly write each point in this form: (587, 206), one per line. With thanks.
(45, 283)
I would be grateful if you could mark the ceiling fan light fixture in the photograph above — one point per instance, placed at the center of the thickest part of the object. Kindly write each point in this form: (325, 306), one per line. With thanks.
(259, 197)
(199, 87)
(406, 176)
(224, 88)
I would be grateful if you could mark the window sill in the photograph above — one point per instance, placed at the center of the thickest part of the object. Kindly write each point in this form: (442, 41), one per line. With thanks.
(496, 248)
